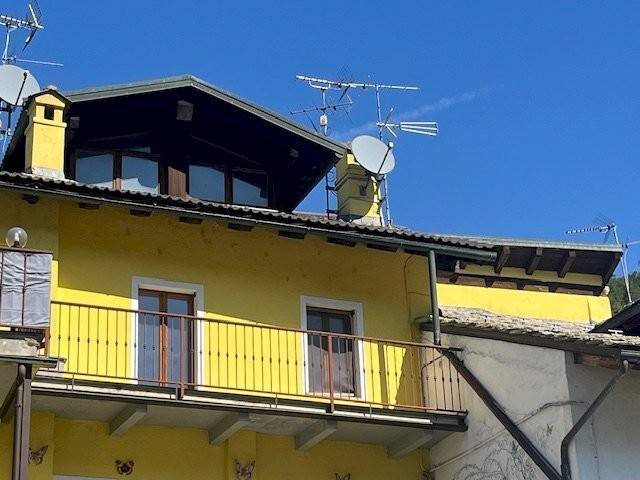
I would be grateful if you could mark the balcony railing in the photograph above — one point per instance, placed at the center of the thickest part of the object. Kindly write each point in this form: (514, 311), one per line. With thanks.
(227, 357)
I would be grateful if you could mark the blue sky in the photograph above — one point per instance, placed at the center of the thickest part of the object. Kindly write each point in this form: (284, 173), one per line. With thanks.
(537, 102)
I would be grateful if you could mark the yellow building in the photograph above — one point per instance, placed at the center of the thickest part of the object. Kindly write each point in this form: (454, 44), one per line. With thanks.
(199, 328)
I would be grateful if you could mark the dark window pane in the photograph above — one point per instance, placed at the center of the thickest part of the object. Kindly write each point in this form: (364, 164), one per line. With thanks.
(140, 175)
(95, 169)
(206, 183)
(250, 188)
(148, 341)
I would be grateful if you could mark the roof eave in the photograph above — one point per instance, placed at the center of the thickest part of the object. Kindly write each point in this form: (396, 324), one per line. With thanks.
(111, 91)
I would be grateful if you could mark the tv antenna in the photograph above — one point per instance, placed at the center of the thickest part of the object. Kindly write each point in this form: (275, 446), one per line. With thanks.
(17, 84)
(608, 229)
(324, 86)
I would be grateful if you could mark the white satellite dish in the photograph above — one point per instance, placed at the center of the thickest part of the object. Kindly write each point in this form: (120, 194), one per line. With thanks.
(16, 84)
(373, 154)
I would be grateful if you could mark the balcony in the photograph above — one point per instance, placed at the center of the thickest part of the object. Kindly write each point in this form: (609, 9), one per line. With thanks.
(188, 357)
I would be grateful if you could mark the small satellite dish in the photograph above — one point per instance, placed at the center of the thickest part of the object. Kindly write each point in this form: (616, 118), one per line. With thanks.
(373, 154)
(16, 84)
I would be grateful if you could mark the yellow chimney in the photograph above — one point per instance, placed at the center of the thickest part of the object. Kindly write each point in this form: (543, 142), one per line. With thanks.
(358, 193)
(45, 134)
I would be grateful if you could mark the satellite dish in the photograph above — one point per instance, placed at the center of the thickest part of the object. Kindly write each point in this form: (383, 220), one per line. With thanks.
(16, 84)
(373, 154)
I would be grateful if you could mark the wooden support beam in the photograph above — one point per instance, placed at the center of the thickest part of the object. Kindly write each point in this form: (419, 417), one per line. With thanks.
(240, 227)
(30, 199)
(190, 220)
(139, 213)
(226, 427)
(407, 444)
(89, 206)
(534, 261)
(503, 256)
(566, 265)
(616, 256)
(315, 434)
(127, 418)
(290, 234)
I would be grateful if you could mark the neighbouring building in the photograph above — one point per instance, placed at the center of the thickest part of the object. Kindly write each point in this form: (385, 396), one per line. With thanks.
(189, 323)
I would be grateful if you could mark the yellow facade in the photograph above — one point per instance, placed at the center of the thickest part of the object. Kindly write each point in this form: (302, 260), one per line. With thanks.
(249, 280)
(526, 303)
(85, 448)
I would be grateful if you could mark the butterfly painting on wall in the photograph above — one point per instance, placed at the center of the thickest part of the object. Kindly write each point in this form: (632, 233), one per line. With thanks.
(36, 457)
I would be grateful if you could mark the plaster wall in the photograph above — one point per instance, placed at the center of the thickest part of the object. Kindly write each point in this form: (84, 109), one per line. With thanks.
(607, 446)
(85, 449)
(524, 380)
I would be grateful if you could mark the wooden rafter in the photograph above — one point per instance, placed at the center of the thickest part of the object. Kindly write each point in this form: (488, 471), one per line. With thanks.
(503, 256)
(566, 265)
(534, 261)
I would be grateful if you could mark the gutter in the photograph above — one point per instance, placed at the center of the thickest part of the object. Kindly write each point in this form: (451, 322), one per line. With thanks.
(410, 246)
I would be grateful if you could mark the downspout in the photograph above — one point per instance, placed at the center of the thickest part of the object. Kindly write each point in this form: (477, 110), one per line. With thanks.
(566, 441)
(433, 294)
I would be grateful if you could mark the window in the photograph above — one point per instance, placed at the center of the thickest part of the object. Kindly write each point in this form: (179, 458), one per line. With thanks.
(250, 188)
(95, 168)
(341, 354)
(207, 183)
(162, 357)
(140, 175)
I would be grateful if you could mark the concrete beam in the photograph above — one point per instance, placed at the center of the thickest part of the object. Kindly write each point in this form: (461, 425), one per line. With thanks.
(314, 434)
(127, 418)
(407, 444)
(228, 426)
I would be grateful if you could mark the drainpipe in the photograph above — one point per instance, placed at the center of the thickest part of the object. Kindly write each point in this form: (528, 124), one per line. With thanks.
(22, 422)
(433, 293)
(566, 441)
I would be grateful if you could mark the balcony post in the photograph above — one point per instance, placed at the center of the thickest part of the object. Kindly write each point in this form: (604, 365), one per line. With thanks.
(330, 368)
(181, 359)
(22, 422)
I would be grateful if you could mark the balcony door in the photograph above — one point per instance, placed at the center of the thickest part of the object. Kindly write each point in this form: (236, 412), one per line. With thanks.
(165, 339)
(343, 360)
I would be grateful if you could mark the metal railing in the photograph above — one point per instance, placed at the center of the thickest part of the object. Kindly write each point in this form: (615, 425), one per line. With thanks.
(229, 357)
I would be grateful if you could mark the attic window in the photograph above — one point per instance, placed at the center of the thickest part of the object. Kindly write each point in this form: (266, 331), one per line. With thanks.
(250, 188)
(95, 168)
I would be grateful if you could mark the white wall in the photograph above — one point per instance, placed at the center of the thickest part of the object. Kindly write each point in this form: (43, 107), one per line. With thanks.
(545, 387)
(522, 379)
(608, 446)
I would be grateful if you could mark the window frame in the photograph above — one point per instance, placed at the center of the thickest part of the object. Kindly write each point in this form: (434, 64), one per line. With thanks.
(233, 169)
(356, 311)
(163, 297)
(195, 290)
(219, 166)
(117, 164)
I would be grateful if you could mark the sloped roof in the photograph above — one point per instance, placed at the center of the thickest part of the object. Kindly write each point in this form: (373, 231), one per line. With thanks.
(626, 320)
(548, 333)
(374, 236)
(182, 81)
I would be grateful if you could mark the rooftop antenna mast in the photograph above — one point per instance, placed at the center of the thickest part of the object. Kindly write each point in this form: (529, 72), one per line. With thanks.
(343, 102)
(17, 84)
(383, 125)
(607, 229)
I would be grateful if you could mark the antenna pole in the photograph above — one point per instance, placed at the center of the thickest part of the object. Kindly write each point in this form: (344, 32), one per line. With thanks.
(623, 262)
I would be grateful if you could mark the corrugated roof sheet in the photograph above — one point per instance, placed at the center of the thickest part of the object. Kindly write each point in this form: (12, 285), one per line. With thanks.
(243, 211)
